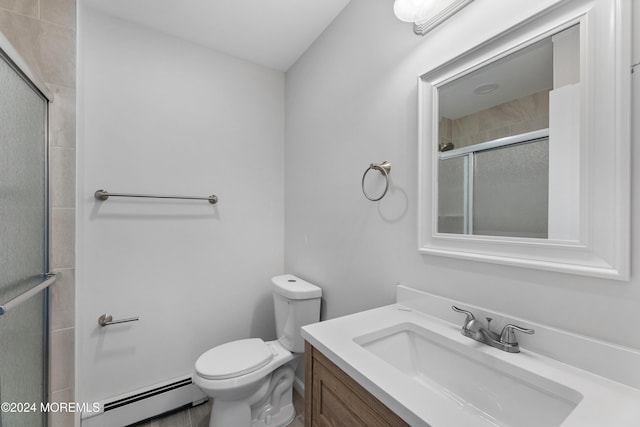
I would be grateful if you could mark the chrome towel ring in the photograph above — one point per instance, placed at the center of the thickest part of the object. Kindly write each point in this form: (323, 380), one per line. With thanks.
(385, 169)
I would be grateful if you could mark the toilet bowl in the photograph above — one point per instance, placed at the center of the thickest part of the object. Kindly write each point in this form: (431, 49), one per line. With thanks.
(250, 380)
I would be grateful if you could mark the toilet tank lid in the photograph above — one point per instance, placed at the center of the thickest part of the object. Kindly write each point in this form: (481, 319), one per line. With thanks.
(292, 287)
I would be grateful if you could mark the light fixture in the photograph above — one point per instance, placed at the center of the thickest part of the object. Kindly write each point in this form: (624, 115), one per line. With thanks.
(486, 88)
(426, 14)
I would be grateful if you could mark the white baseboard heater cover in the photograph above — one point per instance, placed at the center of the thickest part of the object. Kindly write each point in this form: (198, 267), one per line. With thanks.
(144, 403)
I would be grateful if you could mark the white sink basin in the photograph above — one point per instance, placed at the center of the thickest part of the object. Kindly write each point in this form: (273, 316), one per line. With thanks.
(420, 366)
(495, 392)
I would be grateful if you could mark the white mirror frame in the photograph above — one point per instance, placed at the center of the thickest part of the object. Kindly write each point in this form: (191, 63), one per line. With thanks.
(603, 248)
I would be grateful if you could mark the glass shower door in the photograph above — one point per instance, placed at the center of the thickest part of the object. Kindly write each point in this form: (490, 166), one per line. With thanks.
(496, 188)
(452, 197)
(23, 248)
(511, 191)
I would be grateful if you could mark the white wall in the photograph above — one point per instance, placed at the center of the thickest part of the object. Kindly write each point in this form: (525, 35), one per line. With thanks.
(352, 100)
(159, 115)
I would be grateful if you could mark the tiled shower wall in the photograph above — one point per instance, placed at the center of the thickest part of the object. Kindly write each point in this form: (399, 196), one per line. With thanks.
(44, 33)
(522, 115)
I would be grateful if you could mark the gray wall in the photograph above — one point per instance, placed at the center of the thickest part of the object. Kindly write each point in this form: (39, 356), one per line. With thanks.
(352, 100)
(159, 115)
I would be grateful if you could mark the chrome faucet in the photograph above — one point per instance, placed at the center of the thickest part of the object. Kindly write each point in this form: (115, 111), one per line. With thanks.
(477, 330)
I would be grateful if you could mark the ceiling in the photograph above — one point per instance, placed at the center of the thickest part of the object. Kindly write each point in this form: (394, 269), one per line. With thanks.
(273, 33)
(523, 73)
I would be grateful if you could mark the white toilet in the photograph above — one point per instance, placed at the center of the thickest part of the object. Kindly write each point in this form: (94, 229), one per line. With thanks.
(250, 380)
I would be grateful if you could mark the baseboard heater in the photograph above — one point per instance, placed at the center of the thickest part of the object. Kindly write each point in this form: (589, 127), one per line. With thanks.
(145, 403)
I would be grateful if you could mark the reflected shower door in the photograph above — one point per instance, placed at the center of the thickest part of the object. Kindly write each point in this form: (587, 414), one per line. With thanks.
(511, 191)
(452, 197)
(23, 247)
(496, 191)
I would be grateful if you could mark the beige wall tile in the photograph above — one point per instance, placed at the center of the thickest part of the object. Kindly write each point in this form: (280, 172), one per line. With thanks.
(536, 123)
(490, 135)
(23, 33)
(511, 118)
(62, 419)
(501, 115)
(22, 7)
(62, 113)
(60, 12)
(62, 162)
(445, 128)
(57, 55)
(464, 126)
(48, 49)
(62, 301)
(61, 364)
(62, 238)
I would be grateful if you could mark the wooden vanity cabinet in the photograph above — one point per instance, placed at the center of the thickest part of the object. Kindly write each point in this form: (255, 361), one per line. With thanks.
(334, 399)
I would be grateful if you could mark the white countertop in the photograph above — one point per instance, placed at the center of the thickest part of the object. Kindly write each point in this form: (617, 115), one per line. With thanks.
(605, 403)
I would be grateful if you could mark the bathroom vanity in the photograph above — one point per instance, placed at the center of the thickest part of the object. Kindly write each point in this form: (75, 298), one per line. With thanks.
(408, 364)
(333, 398)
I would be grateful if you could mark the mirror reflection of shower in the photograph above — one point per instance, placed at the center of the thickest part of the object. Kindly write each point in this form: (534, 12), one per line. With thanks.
(497, 188)
(24, 243)
(498, 172)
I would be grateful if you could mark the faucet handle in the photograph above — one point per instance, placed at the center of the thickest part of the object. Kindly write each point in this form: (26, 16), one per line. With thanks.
(489, 319)
(469, 314)
(508, 335)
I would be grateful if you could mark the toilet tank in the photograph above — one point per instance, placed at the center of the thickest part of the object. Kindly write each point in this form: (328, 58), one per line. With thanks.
(296, 304)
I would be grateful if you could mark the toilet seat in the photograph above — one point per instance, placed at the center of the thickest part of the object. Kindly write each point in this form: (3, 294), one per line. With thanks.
(234, 359)
(280, 356)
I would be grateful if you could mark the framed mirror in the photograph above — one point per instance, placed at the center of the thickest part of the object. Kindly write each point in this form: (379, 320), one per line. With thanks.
(525, 143)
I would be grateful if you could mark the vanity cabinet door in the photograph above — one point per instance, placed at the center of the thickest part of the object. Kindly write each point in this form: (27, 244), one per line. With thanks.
(333, 399)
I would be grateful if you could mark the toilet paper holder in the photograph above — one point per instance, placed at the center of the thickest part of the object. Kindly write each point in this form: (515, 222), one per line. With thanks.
(106, 320)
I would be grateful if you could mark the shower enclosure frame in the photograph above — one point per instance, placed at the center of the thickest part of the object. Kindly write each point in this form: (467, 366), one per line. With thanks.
(468, 155)
(14, 60)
